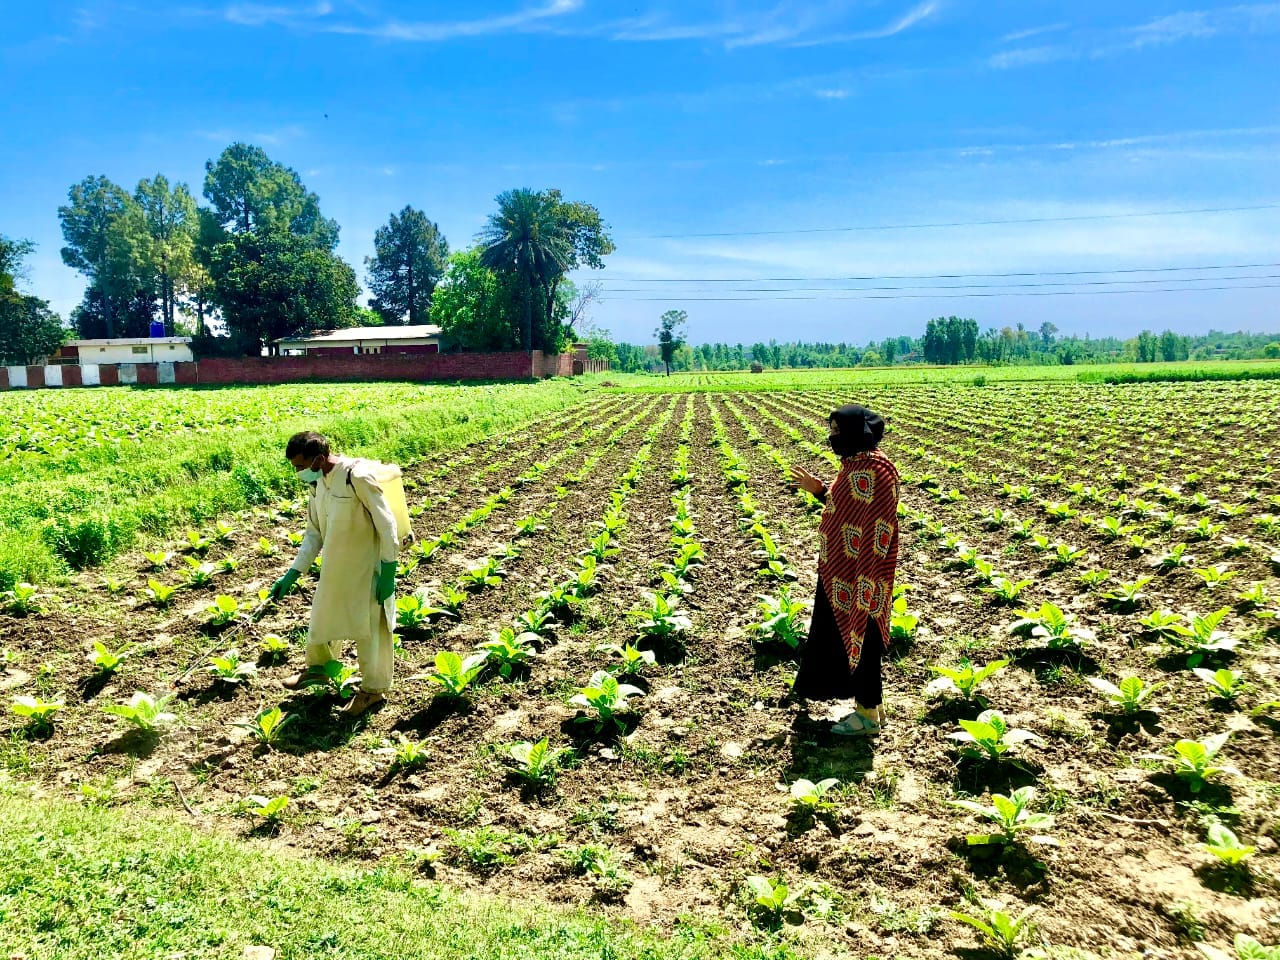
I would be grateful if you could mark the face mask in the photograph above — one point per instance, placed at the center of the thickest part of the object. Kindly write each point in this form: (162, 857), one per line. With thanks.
(310, 476)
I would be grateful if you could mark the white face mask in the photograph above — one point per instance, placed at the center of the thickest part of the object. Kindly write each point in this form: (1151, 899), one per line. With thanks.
(310, 476)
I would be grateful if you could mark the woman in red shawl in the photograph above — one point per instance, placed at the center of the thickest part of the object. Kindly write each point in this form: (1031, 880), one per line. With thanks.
(857, 558)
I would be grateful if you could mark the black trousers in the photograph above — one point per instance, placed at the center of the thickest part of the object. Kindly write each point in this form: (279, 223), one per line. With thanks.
(824, 665)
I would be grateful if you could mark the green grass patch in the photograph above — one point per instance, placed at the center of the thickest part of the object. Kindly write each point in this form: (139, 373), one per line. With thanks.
(86, 471)
(83, 882)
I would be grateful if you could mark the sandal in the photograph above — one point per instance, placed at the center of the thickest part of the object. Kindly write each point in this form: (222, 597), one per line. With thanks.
(856, 725)
(362, 702)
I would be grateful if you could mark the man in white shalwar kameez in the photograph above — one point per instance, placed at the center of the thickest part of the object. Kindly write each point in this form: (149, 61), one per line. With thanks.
(351, 526)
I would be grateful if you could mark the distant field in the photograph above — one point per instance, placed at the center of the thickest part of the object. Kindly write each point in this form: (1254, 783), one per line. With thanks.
(821, 378)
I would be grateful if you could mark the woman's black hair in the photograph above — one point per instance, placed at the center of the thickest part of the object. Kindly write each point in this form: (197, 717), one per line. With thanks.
(307, 444)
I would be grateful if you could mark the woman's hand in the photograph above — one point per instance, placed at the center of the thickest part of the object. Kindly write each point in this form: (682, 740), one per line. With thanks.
(807, 481)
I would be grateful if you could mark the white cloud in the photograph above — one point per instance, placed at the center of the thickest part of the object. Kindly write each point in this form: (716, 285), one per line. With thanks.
(1162, 31)
(915, 15)
(1017, 35)
(434, 31)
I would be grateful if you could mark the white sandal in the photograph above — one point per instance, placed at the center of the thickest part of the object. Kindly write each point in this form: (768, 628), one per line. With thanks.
(856, 725)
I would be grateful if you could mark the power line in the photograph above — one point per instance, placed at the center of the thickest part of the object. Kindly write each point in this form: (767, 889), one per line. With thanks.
(957, 223)
(968, 286)
(943, 276)
(925, 296)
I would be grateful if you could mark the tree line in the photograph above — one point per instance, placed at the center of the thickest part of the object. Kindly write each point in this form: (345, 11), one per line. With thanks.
(946, 341)
(256, 263)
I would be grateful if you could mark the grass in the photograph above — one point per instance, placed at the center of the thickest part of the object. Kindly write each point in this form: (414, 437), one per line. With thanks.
(219, 450)
(87, 882)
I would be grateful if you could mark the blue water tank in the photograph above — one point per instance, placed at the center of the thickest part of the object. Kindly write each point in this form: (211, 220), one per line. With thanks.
(157, 328)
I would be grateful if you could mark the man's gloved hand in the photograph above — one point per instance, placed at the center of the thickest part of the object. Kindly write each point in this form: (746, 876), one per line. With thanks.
(283, 585)
(386, 581)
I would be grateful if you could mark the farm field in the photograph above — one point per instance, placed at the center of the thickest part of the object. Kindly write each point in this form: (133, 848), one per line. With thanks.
(1057, 537)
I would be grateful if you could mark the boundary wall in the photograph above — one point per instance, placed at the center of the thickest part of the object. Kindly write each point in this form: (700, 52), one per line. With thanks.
(260, 370)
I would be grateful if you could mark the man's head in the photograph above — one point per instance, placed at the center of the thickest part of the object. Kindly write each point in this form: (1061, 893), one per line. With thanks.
(309, 453)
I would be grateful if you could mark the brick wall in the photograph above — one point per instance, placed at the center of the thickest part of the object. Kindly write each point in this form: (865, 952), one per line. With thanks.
(349, 367)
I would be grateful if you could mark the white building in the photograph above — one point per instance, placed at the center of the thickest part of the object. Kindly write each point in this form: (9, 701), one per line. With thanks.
(422, 338)
(128, 350)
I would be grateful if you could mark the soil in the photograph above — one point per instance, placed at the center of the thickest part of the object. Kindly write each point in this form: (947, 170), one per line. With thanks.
(690, 796)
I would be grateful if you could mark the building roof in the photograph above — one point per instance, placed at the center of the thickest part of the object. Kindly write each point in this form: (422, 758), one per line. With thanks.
(126, 341)
(376, 334)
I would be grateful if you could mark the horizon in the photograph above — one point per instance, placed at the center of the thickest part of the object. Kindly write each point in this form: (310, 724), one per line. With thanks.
(913, 144)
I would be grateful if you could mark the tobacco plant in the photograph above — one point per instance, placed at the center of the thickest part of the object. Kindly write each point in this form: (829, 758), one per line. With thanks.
(453, 675)
(990, 737)
(509, 650)
(536, 763)
(106, 660)
(964, 680)
(812, 797)
(145, 712)
(782, 621)
(1130, 696)
(37, 713)
(660, 620)
(271, 810)
(603, 699)
(222, 611)
(1194, 760)
(268, 725)
(229, 668)
(1012, 814)
(1226, 846)
(1050, 624)
(1000, 929)
(1127, 596)
(632, 660)
(1227, 684)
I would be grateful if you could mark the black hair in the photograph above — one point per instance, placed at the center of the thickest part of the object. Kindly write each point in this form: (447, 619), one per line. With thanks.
(308, 444)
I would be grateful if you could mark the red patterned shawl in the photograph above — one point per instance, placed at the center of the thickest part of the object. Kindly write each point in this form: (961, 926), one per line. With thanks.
(858, 547)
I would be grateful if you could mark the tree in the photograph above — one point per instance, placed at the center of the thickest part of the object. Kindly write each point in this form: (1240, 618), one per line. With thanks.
(29, 330)
(106, 240)
(527, 238)
(670, 335)
(580, 301)
(589, 244)
(410, 255)
(169, 215)
(276, 284)
(475, 307)
(249, 192)
(1047, 333)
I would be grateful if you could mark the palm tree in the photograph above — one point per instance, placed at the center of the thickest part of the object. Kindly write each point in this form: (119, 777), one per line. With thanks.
(527, 238)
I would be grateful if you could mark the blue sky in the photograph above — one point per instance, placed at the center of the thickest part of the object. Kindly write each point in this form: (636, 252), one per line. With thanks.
(737, 120)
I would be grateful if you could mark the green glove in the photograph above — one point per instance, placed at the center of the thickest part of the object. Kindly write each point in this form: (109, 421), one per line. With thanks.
(284, 585)
(386, 581)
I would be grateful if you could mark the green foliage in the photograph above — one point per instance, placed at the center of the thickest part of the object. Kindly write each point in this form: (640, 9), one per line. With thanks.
(1225, 683)
(333, 677)
(453, 675)
(22, 599)
(268, 726)
(964, 679)
(1130, 696)
(632, 660)
(807, 795)
(229, 668)
(508, 650)
(770, 898)
(270, 810)
(660, 620)
(1195, 760)
(999, 929)
(990, 737)
(87, 541)
(902, 624)
(782, 621)
(1226, 846)
(413, 612)
(1012, 814)
(222, 611)
(536, 762)
(410, 753)
(106, 660)
(409, 260)
(145, 712)
(1050, 624)
(603, 700)
(37, 713)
